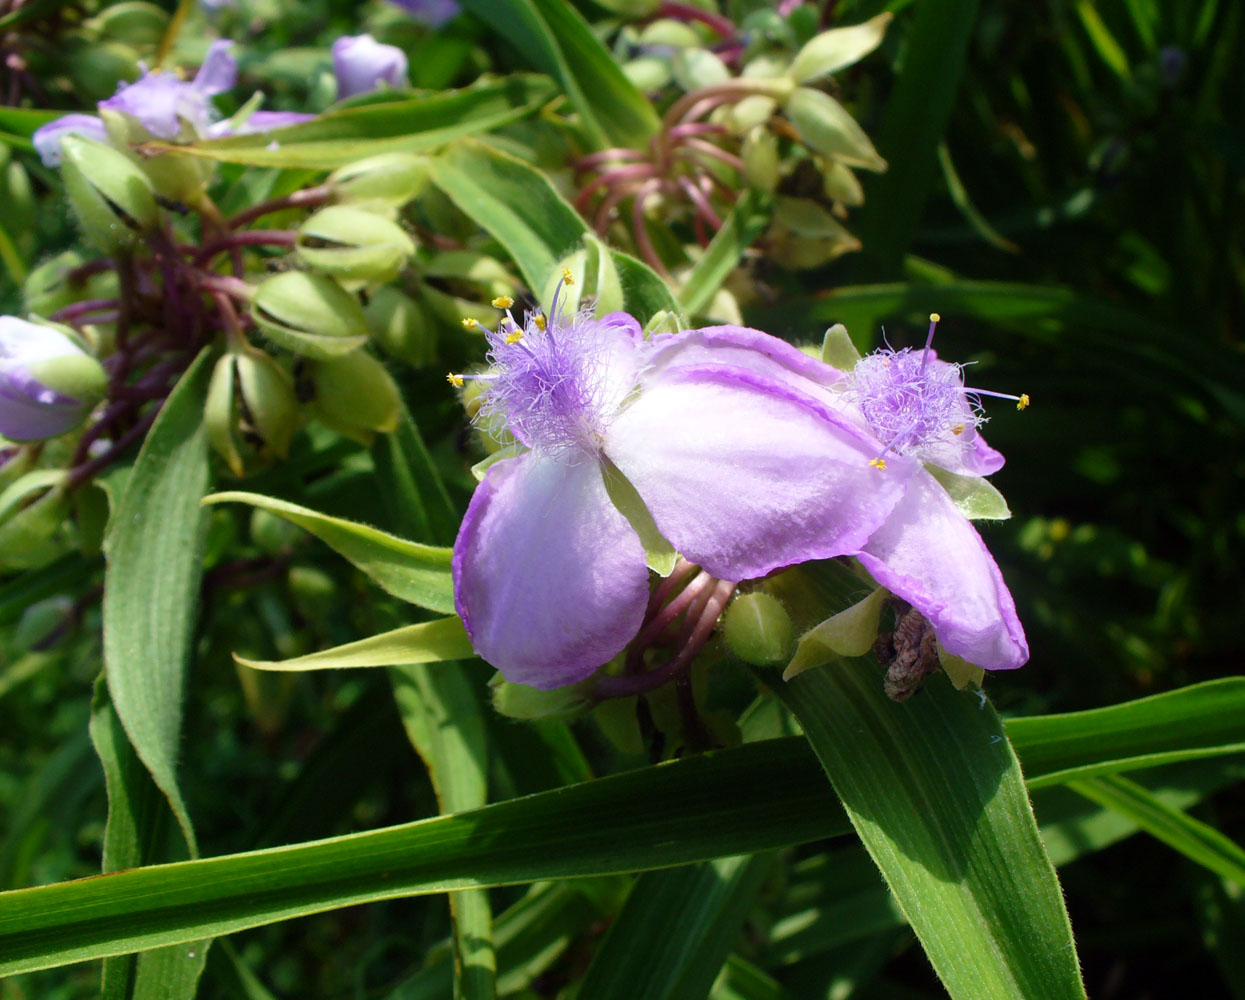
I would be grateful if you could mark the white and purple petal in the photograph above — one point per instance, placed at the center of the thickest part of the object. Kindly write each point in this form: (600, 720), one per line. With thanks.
(549, 578)
(929, 554)
(744, 474)
(47, 138)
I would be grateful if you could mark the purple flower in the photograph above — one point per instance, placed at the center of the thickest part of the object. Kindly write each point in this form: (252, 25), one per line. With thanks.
(927, 552)
(432, 13)
(732, 439)
(47, 138)
(259, 121)
(363, 64)
(48, 384)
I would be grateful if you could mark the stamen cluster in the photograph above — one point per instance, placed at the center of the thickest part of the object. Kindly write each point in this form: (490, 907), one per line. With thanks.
(916, 404)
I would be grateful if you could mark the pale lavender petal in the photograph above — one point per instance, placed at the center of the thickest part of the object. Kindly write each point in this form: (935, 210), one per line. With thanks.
(929, 554)
(549, 577)
(260, 121)
(743, 474)
(363, 64)
(47, 138)
(219, 71)
(161, 102)
(743, 347)
(979, 459)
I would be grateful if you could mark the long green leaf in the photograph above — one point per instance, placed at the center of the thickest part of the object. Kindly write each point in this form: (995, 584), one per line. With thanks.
(415, 125)
(151, 586)
(916, 120)
(746, 222)
(559, 42)
(1196, 840)
(416, 573)
(411, 487)
(1201, 720)
(936, 795)
(719, 804)
(443, 720)
(427, 642)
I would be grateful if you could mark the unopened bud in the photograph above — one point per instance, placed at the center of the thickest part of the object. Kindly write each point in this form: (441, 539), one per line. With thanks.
(353, 244)
(32, 514)
(838, 48)
(841, 185)
(251, 412)
(47, 287)
(110, 194)
(758, 630)
(48, 382)
(309, 314)
(760, 155)
(696, 68)
(134, 21)
(175, 176)
(98, 68)
(826, 128)
(387, 181)
(401, 326)
(354, 395)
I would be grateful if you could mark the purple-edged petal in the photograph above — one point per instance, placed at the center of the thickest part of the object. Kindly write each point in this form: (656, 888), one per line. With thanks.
(743, 474)
(363, 64)
(742, 347)
(259, 121)
(219, 71)
(549, 577)
(47, 138)
(978, 460)
(930, 555)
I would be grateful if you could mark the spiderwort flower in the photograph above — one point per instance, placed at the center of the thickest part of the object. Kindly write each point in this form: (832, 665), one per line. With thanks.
(730, 438)
(362, 64)
(48, 383)
(927, 552)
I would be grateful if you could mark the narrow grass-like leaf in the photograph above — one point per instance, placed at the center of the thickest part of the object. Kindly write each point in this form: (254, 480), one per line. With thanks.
(442, 717)
(916, 120)
(1197, 841)
(675, 930)
(416, 125)
(411, 487)
(427, 642)
(936, 795)
(414, 572)
(558, 41)
(151, 586)
(724, 803)
(1196, 721)
(746, 222)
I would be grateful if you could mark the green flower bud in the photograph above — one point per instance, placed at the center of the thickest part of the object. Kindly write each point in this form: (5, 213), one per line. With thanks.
(309, 314)
(838, 48)
(753, 111)
(353, 244)
(97, 69)
(696, 68)
(32, 516)
(826, 128)
(387, 181)
(41, 622)
(175, 176)
(110, 195)
(758, 630)
(401, 326)
(141, 24)
(594, 278)
(648, 73)
(760, 155)
(314, 592)
(47, 289)
(272, 533)
(354, 395)
(805, 235)
(841, 185)
(669, 33)
(518, 701)
(251, 412)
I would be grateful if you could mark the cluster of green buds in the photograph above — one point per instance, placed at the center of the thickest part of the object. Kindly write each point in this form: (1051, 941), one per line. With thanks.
(755, 110)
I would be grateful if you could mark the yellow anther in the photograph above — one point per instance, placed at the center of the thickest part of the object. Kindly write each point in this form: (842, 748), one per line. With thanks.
(958, 430)
(503, 302)
(539, 321)
(935, 318)
(455, 380)
(566, 276)
(470, 323)
(1023, 402)
(878, 463)
(514, 336)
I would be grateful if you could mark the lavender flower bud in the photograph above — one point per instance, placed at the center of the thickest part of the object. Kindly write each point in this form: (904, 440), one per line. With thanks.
(309, 314)
(363, 64)
(48, 383)
(353, 244)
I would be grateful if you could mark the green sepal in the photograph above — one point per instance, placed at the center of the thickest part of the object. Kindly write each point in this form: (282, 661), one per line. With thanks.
(659, 554)
(837, 349)
(826, 128)
(518, 701)
(353, 244)
(354, 395)
(974, 497)
(385, 181)
(838, 48)
(110, 195)
(852, 632)
(309, 314)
